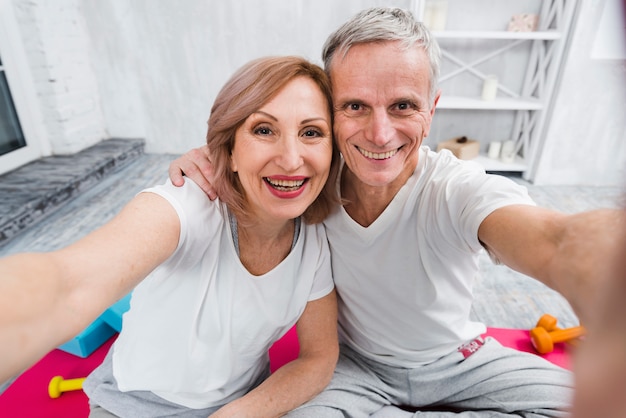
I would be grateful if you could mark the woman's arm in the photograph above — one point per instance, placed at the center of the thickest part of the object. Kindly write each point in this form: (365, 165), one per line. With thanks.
(47, 298)
(300, 380)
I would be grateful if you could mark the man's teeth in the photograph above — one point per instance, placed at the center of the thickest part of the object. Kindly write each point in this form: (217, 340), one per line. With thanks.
(285, 184)
(378, 155)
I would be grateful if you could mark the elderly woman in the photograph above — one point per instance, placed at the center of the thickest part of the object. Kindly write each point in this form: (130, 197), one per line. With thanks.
(215, 282)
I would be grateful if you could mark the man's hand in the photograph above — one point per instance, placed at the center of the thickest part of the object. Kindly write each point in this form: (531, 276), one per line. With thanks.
(196, 165)
(600, 363)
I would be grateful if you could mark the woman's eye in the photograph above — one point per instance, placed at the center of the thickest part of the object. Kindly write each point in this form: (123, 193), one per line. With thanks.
(263, 130)
(312, 133)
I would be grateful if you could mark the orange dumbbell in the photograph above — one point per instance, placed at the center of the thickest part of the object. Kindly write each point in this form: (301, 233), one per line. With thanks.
(544, 340)
(58, 385)
(547, 322)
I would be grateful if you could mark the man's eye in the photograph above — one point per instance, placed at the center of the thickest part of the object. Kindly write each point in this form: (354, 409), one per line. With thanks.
(405, 108)
(354, 106)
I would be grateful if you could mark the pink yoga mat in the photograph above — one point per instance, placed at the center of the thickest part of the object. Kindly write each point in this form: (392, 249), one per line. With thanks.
(28, 395)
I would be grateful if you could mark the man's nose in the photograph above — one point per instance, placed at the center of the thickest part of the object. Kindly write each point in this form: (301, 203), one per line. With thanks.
(380, 128)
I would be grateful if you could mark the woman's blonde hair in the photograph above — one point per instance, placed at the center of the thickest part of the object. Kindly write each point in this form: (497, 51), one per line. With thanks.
(246, 92)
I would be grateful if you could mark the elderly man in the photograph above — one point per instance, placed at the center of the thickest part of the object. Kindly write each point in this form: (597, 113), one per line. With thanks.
(405, 245)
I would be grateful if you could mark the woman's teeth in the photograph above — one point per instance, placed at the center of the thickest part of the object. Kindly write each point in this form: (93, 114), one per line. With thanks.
(285, 185)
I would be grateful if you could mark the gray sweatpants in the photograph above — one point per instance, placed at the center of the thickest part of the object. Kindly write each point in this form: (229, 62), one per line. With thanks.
(493, 381)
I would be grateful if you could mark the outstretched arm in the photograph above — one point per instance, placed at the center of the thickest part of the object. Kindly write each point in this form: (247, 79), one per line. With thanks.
(196, 165)
(569, 253)
(47, 298)
(300, 380)
(600, 362)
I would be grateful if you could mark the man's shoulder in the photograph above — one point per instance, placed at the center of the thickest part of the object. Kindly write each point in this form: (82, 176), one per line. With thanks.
(445, 161)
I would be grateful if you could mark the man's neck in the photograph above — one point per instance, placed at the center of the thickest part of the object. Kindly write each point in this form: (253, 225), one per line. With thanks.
(365, 203)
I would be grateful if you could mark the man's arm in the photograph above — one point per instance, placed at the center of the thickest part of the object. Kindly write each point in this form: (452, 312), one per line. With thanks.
(196, 165)
(569, 253)
(600, 362)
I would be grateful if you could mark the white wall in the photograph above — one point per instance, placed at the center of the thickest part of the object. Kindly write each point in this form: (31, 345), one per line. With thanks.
(586, 139)
(160, 64)
(57, 48)
(151, 69)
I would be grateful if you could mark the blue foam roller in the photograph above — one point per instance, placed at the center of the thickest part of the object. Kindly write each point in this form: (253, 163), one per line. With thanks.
(113, 315)
(89, 339)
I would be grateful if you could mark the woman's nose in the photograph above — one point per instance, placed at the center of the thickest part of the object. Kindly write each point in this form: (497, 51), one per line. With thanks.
(290, 156)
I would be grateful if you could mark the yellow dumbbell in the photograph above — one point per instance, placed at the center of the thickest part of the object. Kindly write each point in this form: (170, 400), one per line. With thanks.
(58, 385)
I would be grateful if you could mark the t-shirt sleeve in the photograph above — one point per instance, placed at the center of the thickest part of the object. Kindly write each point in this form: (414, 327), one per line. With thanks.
(470, 195)
(199, 217)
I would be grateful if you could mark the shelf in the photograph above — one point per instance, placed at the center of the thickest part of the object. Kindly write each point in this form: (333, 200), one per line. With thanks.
(519, 165)
(526, 82)
(500, 103)
(479, 34)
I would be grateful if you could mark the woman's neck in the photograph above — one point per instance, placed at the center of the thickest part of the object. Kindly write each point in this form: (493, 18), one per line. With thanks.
(262, 247)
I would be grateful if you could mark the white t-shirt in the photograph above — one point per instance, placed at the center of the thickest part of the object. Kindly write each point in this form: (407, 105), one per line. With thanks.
(405, 282)
(199, 326)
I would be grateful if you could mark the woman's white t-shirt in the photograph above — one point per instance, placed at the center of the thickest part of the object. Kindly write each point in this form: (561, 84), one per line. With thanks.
(200, 325)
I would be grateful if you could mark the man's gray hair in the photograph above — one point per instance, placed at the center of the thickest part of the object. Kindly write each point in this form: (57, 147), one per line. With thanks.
(380, 24)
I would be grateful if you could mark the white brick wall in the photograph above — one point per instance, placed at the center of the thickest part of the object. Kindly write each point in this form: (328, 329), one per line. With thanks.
(58, 49)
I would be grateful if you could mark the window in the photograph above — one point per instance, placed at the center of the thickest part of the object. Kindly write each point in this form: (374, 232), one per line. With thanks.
(11, 135)
(22, 132)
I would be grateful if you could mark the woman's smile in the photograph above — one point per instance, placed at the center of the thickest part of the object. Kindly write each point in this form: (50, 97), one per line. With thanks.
(286, 187)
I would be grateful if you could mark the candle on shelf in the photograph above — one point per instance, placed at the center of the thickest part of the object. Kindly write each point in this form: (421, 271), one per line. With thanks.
(494, 150)
(435, 14)
(490, 88)
(508, 152)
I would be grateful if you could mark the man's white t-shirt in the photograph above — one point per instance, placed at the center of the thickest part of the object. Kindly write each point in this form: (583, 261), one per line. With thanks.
(200, 325)
(405, 281)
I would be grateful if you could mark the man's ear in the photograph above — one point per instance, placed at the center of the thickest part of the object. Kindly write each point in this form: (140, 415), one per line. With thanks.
(432, 112)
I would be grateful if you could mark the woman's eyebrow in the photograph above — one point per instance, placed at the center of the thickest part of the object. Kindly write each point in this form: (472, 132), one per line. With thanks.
(266, 114)
(309, 120)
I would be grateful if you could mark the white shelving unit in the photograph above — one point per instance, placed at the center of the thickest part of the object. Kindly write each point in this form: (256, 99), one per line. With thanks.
(531, 103)
(465, 34)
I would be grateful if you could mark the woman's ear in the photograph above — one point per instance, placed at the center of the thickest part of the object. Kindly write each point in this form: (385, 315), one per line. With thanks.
(233, 164)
